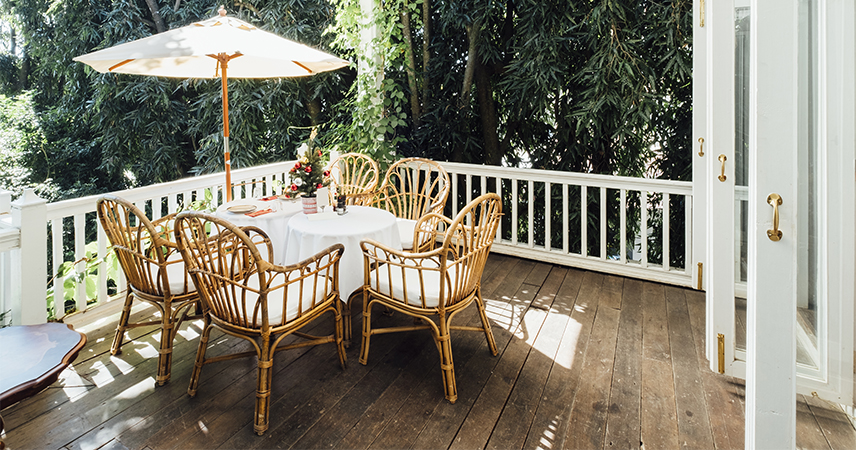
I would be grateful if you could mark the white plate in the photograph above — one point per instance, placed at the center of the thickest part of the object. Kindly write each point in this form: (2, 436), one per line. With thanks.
(241, 209)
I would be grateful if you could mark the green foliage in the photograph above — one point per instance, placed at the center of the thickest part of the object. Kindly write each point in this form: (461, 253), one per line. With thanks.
(87, 275)
(107, 132)
(19, 130)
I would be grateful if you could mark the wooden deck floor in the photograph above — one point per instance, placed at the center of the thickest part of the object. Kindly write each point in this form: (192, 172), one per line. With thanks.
(586, 361)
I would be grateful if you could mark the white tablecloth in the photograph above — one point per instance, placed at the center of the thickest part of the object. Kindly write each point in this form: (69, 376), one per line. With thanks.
(273, 224)
(306, 238)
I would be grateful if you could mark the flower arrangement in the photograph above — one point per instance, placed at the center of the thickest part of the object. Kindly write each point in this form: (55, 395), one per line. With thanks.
(308, 174)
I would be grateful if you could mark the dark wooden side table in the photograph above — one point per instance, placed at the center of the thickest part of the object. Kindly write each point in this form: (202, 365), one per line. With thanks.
(32, 357)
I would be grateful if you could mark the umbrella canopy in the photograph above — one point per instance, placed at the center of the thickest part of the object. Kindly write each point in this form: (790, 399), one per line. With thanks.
(221, 47)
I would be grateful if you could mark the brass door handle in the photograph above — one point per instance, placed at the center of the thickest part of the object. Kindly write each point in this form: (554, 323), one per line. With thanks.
(775, 234)
(701, 146)
(721, 176)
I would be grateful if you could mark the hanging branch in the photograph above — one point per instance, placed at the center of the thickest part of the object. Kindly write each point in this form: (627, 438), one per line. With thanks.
(426, 52)
(411, 67)
(160, 25)
(473, 32)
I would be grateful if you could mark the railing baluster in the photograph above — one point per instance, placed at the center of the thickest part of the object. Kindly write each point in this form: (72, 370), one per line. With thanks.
(603, 225)
(454, 194)
(643, 228)
(102, 266)
(514, 211)
(59, 293)
(80, 253)
(565, 201)
(499, 193)
(530, 195)
(622, 245)
(469, 188)
(666, 237)
(583, 221)
(688, 235)
(548, 215)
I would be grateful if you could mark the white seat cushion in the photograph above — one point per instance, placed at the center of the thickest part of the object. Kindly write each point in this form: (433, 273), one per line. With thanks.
(391, 281)
(405, 231)
(175, 272)
(275, 299)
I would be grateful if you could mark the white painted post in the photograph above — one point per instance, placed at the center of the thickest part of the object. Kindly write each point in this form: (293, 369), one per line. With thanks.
(5, 201)
(29, 214)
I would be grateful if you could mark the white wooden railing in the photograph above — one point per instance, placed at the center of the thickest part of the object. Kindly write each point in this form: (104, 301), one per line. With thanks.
(538, 223)
(561, 193)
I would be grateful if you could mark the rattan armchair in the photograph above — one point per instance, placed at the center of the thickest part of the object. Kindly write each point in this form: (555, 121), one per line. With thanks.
(435, 285)
(355, 175)
(248, 297)
(412, 188)
(154, 270)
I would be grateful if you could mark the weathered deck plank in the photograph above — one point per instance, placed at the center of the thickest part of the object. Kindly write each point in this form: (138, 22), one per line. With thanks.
(586, 360)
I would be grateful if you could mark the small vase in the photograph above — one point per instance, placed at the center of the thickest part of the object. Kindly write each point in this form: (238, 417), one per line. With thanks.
(310, 204)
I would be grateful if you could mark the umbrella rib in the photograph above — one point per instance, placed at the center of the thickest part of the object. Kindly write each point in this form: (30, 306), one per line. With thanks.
(304, 67)
(116, 66)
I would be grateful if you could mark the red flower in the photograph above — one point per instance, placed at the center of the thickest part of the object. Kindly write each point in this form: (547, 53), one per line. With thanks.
(293, 169)
(319, 186)
(308, 169)
(297, 166)
(293, 187)
(319, 153)
(326, 173)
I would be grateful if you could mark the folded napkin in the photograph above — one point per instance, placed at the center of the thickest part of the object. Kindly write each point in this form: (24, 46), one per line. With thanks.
(265, 199)
(259, 213)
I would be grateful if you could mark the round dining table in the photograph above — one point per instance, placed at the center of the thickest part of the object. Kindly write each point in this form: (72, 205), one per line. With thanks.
(245, 212)
(307, 237)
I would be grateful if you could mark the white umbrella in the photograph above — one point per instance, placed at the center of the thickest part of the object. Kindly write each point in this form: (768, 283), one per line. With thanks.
(208, 49)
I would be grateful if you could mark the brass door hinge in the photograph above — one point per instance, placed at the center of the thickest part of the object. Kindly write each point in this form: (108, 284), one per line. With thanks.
(720, 340)
(700, 271)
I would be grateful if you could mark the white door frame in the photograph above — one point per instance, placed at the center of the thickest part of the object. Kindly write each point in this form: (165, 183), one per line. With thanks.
(772, 278)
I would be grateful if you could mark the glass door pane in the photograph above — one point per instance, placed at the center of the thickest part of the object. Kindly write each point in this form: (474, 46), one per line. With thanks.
(741, 172)
(810, 298)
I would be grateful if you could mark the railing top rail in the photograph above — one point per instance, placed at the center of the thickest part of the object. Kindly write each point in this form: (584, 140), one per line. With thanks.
(574, 178)
(69, 207)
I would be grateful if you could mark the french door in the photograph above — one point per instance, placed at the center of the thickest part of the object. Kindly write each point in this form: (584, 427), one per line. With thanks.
(776, 116)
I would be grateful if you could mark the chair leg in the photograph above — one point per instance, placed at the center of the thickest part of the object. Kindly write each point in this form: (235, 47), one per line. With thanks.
(116, 348)
(165, 351)
(447, 365)
(488, 334)
(338, 332)
(262, 411)
(367, 330)
(200, 356)
(347, 325)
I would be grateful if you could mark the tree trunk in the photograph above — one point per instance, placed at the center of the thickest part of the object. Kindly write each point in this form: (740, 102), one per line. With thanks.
(426, 53)
(487, 113)
(472, 57)
(313, 107)
(160, 26)
(411, 68)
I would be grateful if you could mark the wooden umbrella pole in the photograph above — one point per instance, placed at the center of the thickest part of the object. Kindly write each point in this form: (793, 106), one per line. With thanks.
(224, 62)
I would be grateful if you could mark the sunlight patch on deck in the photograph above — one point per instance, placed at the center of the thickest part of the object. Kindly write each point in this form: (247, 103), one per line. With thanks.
(146, 385)
(100, 374)
(73, 385)
(120, 364)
